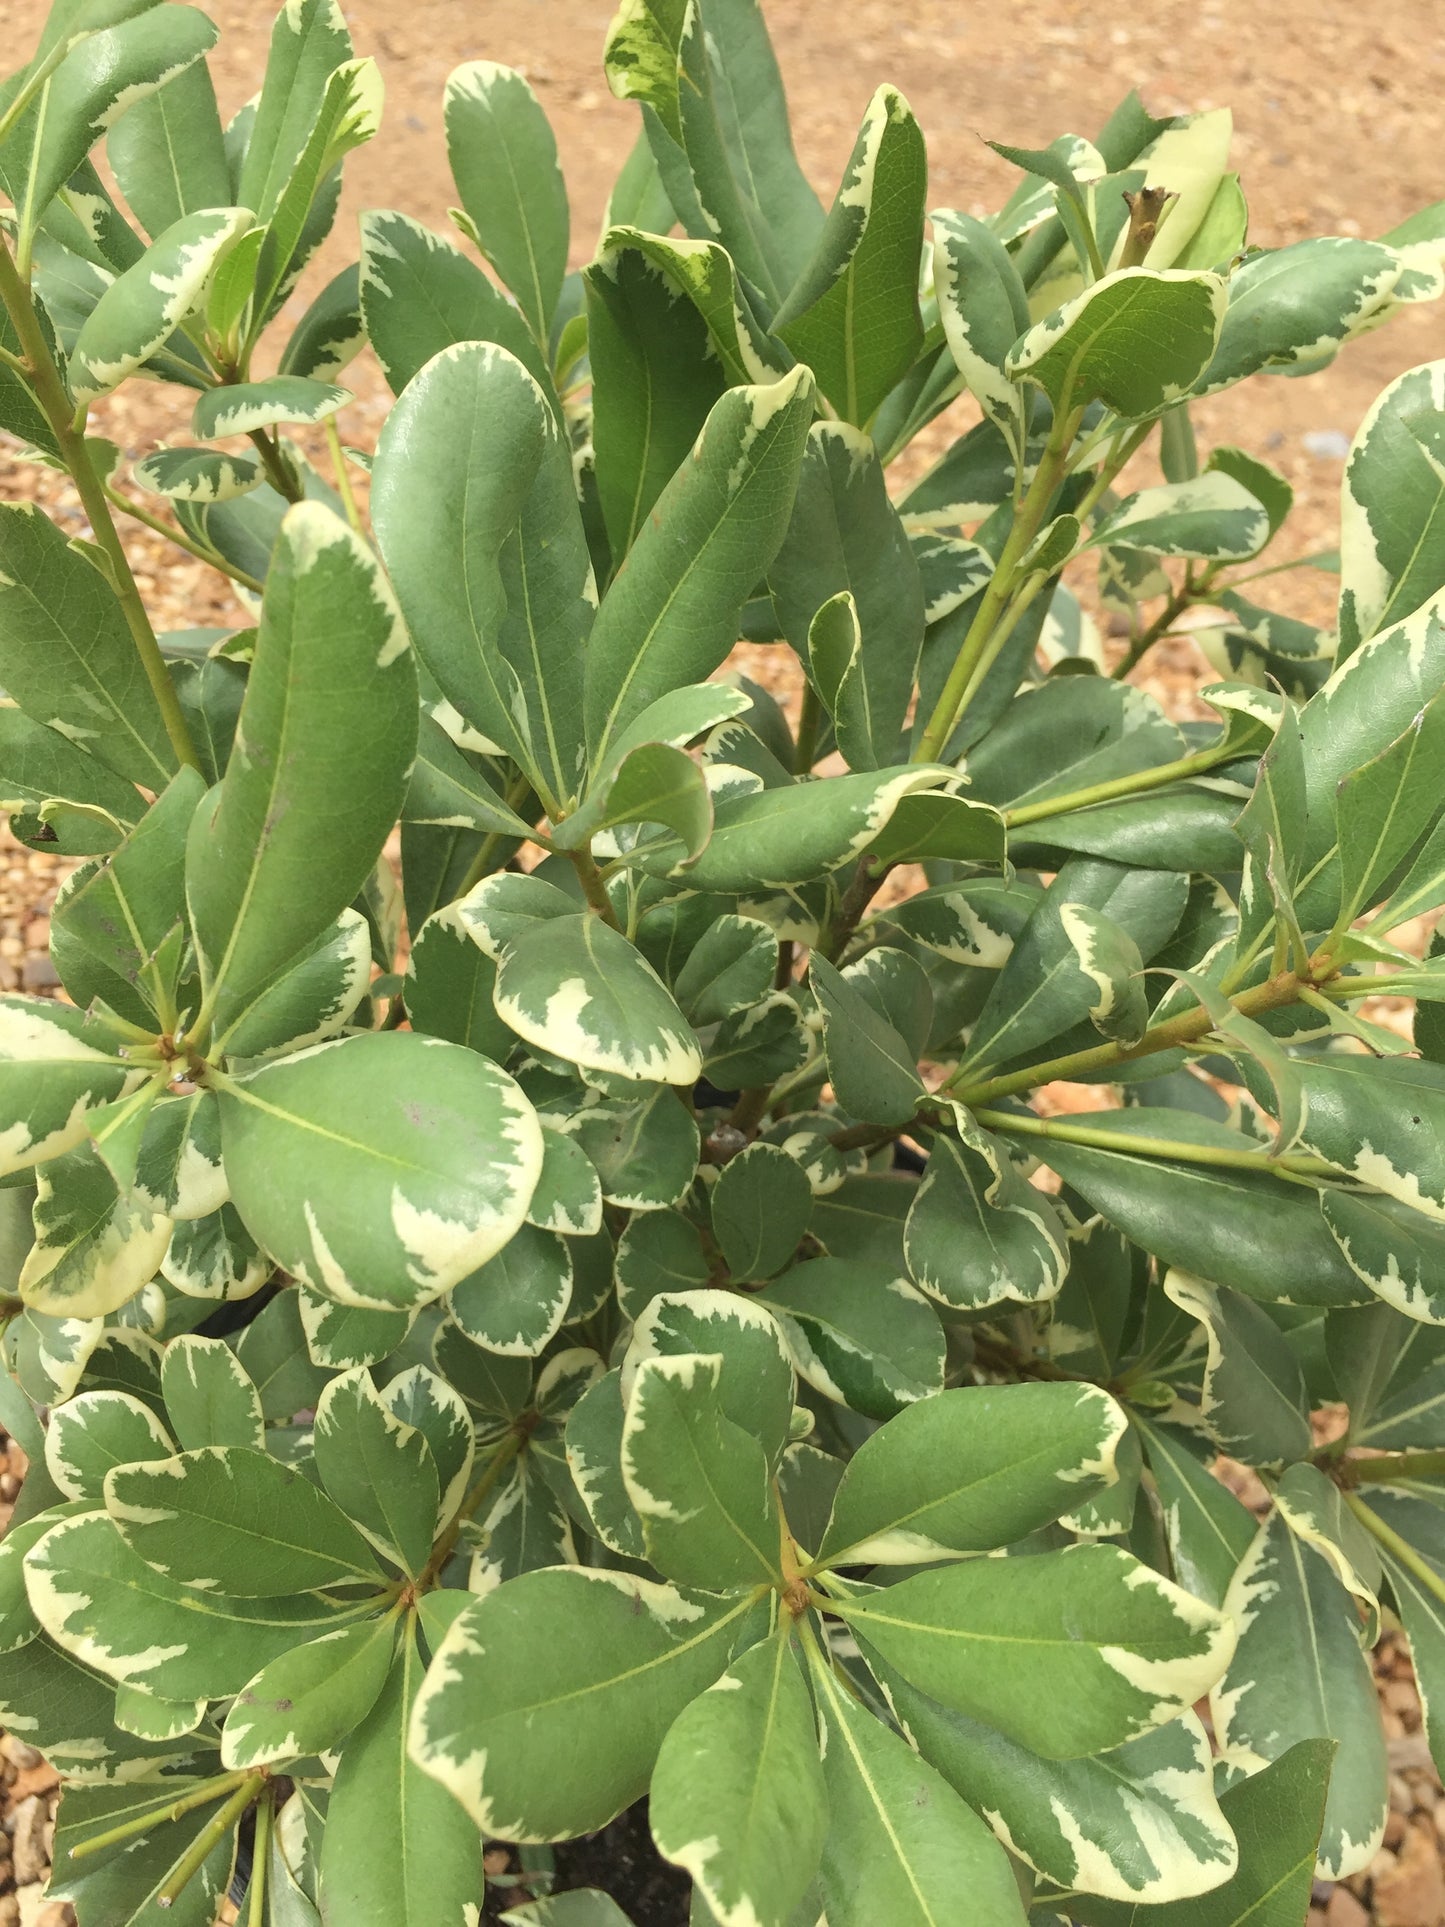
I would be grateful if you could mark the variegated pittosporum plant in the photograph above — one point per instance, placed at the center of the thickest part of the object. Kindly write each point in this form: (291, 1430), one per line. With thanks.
(612, 1406)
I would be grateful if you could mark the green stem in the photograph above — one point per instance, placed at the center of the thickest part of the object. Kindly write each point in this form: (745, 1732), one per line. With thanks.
(279, 472)
(1389, 1466)
(1177, 1149)
(199, 1796)
(510, 1446)
(515, 795)
(1187, 1028)
(1398, 1548)
(1123, 453)
(1178, 602)
(1050, 473)
(593, 888)
(260, 1859)
(69, 433)
(343, 477)
(180, 539)
(207, 1840)
(1137, 784)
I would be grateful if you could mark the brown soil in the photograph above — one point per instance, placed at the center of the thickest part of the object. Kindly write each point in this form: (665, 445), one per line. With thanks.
(1331, 137)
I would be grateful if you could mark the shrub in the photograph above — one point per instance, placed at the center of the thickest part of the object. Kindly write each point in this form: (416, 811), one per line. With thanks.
(584, 1350)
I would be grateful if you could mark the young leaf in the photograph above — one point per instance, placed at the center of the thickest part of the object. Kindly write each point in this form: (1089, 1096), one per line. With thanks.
(593, 1666)
(984, 309)
(755, 1388)
(381, 1170)
(244, 407)
(853, 313)
(197, 474)
(504, 161)
(1088, 350)
(964, 1472)
(737, 1794)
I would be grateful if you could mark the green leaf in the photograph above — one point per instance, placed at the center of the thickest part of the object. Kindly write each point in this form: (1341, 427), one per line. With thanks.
(314, 998)
(755, 1389)
(1378, 1119)
(1291, 308)
(232, 1519)
(88, 1435)
(730, 968)
(449, 984)
(379, 1470)
(970, 1471)
(1090, 349)
(853, 313)
(653, 784)
(873, 1071)
(309, 1699)
(97, 82)
(1208, 1529)
(659, 1251)
(859, 1334)
(244, 407)
(210, 1399)
(308, 42)
(476, 513)
(671, 617)
(66, 656)
(737, 1796)
(397, 1847)
(39, 766)
(1138, 1823)
(645, 1153)
(1384, 806)
(381, 1169)
(1101, 1648)
(1213, 516)
(698, 1482)
(504, 161)
(592, 1667)
(56, 1067)
(120, 1884)
(330, 334)
(167, 154)
(978, 1232)
(760, 1207)
(1256, 1233)
(420, 294)
(1315, 1511)
(901, 1845)
(315, 784)
(769, 839)
(1391, 558)
(139, 312)
(1298, 1674)
(845, 534)
(113, 1612)
(446, 788)
(197, 474)
(1252, 1400)
(576, 988)
(516, 1302)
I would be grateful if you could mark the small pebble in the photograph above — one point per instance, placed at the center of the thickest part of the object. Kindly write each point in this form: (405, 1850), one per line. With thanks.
(1326, 444)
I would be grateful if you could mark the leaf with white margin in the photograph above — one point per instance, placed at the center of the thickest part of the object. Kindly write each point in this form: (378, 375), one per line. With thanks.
(671, 617)
(110, 1610)
(1208, 1529)
(774, 837)
(230, 1519)
(984, 309)
(504, 160)
(576, 988)
(316, 997)
(215, 1257)
(852, 313)
(47, 1356)
(210, 1399)
(1396, 1250)
(1291, 308)
(737, 1795)
(699, 1483)
(526, 1526)
(378, 1469)
(87, 1435)
(594, 1458)
(978, 1233)
(339, 1337)
(508, 904)
(1381, 1120)
(1090, 349)
(179, 1164)
(653, 785)
(95, 1246)
(448, 790)
(1214, 517)
(247, 406)
(151, 1718)
(1297, 1674)
(1100, 1648)
(760, 1208)
(970, 1470)
(568, 1197)
(315, 783)
(755, 1387)
(732, 965)
(307, 1700)
(645, 1153)
(593, 1667)
(56, 1065)
(901, 1845)
(1140, 1822)
(1391, 553)
(424, 1400)
(1315, 1511)
(143, 307)
(515, 1303)
(872, 1068)
(381, 1169)
(98, 81)
(1253, 1400)
(396, 1845)
(197, 474)
(859, 1334)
